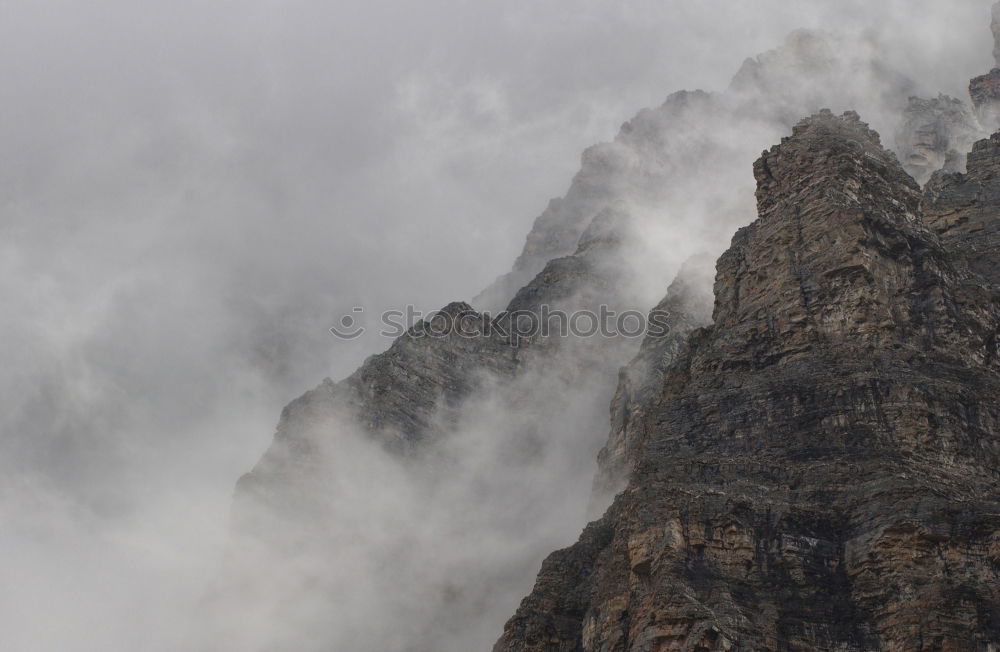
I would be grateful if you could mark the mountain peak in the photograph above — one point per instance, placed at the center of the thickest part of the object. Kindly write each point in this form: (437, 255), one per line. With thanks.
(836, 150)
(795, 473)
(837, 222)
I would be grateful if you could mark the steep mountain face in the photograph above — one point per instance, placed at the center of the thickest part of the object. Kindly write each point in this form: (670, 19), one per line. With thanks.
(434, 454)
(684, 309)
(411, 396)
(423, 490)
(818, 468)
(963, 209)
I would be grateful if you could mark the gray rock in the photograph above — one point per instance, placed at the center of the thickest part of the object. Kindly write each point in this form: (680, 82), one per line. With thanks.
(685, 308)
(408, 415)
(818, 470)
(964, 209)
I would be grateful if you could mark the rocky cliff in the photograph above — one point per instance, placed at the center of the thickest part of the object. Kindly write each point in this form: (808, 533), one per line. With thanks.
(685, 308)
(818, 469)
(963, 209)
(804, 466)
(407, 486)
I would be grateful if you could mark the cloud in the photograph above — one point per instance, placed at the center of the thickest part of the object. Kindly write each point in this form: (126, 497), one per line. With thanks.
(193, 192)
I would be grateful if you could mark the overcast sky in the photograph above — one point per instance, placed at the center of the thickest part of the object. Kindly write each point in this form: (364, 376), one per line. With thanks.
(192, 192)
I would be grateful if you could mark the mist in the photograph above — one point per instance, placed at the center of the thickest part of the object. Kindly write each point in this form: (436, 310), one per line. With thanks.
(193, 193)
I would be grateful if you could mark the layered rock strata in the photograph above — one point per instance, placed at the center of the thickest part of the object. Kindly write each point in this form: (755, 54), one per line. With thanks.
(492, 437)
(466, 431)
(963, 209)
(685, 308)
(818, 469)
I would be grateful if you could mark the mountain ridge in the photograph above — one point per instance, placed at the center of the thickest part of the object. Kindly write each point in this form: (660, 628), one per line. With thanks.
(818, 471)
(491, 433)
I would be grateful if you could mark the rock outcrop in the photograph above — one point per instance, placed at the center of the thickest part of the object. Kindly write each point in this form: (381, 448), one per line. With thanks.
(964, 208)
(685, 308)
(818, 469)
(639, 206)
(412, 394)
(475, 425)
(778, 465)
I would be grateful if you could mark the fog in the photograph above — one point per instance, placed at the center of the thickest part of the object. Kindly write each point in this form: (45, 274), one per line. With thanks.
(192, 193)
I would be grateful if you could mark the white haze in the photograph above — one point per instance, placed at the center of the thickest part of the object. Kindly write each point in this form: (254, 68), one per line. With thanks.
(193, 192)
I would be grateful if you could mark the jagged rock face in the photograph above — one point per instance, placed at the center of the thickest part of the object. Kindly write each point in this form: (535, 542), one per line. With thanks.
(964, 209)
(481, 433)
(396, 395)
(685, 308)
(531, 409)
(832, 205)
(935, 135)
(818, 469)
(409, 394)
(401, 398)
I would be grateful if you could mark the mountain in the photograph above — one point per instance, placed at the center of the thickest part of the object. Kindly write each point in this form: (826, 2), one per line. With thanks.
(818, 469)
(805, 464)
(666, 162)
